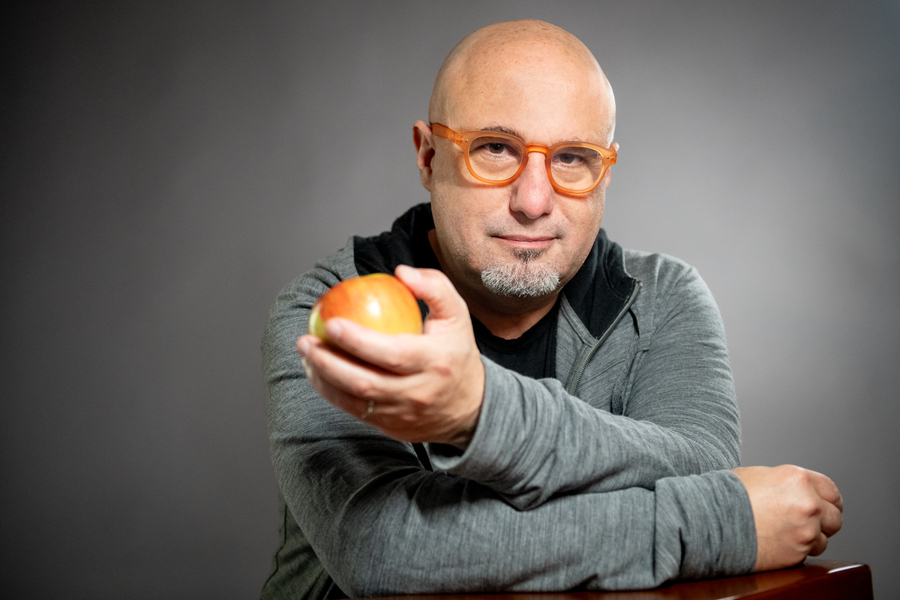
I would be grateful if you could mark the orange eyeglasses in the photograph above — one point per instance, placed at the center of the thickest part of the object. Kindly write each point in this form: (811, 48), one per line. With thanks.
(499, 158)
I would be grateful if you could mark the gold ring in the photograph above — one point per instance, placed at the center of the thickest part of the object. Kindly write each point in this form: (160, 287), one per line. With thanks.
(369, 410)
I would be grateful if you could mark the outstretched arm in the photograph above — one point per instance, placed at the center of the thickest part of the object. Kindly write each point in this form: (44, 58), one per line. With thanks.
(533, 439)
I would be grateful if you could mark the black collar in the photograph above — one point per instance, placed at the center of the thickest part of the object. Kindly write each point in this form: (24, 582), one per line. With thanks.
(597, 293)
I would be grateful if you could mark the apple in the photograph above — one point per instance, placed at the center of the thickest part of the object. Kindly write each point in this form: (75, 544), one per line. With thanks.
(378, 301)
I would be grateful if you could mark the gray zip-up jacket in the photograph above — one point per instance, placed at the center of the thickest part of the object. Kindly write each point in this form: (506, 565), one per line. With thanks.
(613, 475)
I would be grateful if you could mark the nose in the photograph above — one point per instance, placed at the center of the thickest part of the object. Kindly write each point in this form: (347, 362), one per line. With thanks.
(532, 195)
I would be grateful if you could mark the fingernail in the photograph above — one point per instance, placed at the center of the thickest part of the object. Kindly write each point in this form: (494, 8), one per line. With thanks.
(303, 347)
(305, 367)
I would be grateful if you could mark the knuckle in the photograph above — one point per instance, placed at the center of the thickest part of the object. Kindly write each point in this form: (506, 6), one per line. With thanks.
(794, 473)
(363, 388)
(808, 535)
(442, 369)
(392, 362)
(418, 397)
(807, 507)
(443, 364)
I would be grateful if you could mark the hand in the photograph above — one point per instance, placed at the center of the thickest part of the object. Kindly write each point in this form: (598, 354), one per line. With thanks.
(795, 510)
(426, 388)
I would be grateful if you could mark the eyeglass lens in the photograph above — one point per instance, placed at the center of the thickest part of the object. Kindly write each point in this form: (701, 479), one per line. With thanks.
(498, 159)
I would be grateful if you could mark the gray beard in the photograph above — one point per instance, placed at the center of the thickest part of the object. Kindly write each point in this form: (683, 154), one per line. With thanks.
(521, 279)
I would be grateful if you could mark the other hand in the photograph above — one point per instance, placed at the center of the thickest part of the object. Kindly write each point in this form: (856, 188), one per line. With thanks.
(795, 510)
(425, 388)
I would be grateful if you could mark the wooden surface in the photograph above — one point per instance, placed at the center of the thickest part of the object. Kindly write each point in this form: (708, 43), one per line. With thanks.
(817, 579)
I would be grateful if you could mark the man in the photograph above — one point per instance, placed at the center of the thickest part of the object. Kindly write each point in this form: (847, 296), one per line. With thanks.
(574, 398)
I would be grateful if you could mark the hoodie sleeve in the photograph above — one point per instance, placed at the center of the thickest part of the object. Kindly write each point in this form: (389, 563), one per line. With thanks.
(536, 440)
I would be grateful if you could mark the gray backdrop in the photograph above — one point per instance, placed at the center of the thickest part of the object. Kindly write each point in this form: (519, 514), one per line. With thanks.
(167, 168)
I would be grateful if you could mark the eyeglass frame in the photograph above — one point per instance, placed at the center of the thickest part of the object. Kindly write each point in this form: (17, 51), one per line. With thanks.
(464, 141)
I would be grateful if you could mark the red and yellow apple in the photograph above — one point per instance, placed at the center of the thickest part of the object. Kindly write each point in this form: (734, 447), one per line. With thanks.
(378, 301)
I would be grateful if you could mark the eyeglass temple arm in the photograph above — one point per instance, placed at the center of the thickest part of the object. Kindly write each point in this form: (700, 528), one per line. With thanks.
(447, 133)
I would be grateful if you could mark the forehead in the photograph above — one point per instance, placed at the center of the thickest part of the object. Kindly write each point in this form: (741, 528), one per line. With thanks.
(543, 96)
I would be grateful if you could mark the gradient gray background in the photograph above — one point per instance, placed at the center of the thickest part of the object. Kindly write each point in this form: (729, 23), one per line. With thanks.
(167, 168)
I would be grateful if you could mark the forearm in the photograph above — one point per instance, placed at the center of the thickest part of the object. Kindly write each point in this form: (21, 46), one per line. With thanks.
(670, 379)
(535, 441)
(630, 539)
(381, 524)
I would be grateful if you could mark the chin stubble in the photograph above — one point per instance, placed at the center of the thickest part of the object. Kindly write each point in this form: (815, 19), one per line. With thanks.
(522, 279)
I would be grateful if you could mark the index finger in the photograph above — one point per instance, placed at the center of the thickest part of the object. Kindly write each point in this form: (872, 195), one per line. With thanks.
(396, 353)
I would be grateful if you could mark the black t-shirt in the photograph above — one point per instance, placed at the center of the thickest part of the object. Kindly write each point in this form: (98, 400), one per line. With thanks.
(533, 354)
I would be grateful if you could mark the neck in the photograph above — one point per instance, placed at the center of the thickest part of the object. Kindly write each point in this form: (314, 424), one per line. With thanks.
(510, 326)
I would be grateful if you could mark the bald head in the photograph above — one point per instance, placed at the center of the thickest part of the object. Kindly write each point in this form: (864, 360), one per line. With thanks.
(517, 58)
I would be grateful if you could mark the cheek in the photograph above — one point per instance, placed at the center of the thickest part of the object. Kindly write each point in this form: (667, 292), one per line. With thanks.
(586, 222)
(595, 207)
(463, 208)
(448, 170)
(449, 218)
(599, 213)
(456, 223)
(588, 214)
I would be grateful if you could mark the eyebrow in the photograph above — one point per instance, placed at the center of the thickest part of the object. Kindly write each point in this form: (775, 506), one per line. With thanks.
(503, 129)
(509, 131)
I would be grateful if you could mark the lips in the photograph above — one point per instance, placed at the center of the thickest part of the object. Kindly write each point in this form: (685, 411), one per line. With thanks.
(527, 241)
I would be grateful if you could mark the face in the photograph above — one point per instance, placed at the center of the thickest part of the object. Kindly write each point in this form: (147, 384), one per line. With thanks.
(506, 240)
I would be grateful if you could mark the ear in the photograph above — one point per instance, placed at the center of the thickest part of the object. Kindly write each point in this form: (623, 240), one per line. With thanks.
(608, 177)
(424, 141)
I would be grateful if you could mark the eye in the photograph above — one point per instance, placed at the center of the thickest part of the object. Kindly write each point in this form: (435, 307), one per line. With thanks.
(575, 156)
(497, 148)
(568, 159)
(494, 148)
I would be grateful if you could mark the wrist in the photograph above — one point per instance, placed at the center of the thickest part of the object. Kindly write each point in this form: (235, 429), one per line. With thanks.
(474, 394)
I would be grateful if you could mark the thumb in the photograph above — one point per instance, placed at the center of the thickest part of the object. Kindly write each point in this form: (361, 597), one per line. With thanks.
(432, 286)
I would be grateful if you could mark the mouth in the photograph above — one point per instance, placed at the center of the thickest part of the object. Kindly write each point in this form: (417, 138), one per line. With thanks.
(526, 242)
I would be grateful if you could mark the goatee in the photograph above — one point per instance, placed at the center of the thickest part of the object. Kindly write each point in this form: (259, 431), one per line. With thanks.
(522, 279)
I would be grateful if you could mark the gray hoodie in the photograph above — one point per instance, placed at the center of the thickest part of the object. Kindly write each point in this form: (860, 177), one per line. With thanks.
(613, 475)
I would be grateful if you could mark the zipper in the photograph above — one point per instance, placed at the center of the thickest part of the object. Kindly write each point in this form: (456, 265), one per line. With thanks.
(575, 379)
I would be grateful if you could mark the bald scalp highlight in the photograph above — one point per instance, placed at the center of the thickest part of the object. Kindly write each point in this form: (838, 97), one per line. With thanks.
(518, 44)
